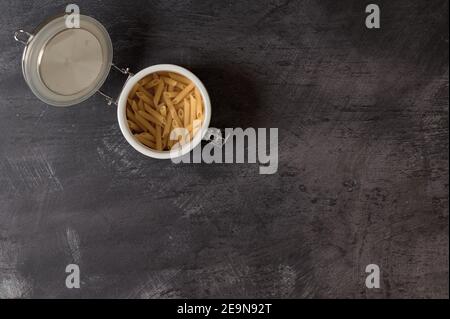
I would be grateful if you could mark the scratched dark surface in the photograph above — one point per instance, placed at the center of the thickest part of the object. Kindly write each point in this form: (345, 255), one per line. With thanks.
(363, 164)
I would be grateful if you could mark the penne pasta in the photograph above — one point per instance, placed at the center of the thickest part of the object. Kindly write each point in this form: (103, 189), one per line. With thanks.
(170, 143)
(148, 136)
(134, 126)
(187, 112)
(183, 93)
(148, 127)
(199, 107)
(169, 81)
(162, 110)
(179, 78)
(140, 105)
(145, 141)
(133, 92)
(195, 127)
(160, 102)
(166, 136)
(158, 138)
(142, 127)
(145, 98)
(144, 91)
(193, 105)
(199, 114)
(181, 114)
(158, 92)
(180, 86)
(145, 80)
(150, 118)
(195, 130)
(151, 84)
(179, 106)
(168, 124)
(172, 110)
(130, 115)
(172, 94)
(134, 106)
(155, 114)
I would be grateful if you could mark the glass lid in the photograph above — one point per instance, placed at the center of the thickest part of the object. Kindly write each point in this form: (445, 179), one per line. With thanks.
(65, 66)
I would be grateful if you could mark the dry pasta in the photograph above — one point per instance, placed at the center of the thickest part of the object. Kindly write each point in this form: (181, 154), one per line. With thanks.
(187, 113)
(158, 138)
(179, 78)
(193, 106)
(175, 119)
(160, 102)
(155, 114)
(183, 93)
(158, 92)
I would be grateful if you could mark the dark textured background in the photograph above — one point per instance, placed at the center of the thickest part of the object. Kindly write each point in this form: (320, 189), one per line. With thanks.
(363, 172)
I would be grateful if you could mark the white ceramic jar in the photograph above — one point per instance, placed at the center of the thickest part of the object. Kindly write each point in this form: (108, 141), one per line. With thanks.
(65, 66)
(122, 103)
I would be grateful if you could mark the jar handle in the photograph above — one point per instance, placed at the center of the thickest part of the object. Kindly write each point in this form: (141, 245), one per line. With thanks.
(125, 71)
(19, 33)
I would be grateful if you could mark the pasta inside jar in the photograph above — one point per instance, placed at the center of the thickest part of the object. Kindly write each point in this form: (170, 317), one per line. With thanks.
(160, 103)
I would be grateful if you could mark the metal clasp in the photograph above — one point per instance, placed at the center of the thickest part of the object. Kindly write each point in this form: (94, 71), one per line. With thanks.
(19, 33)
(125, 71)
